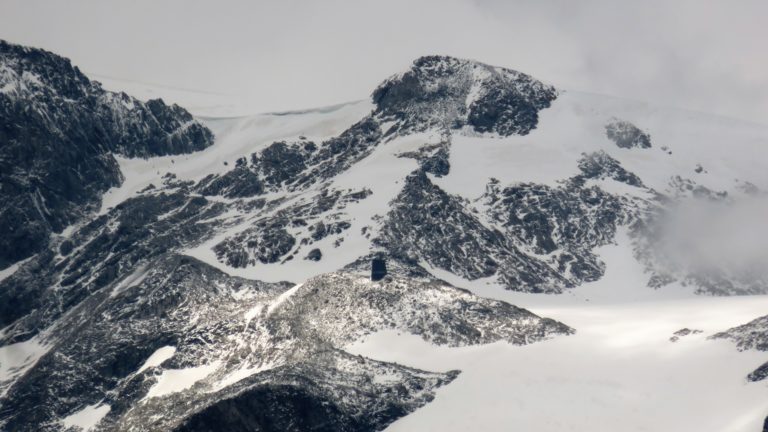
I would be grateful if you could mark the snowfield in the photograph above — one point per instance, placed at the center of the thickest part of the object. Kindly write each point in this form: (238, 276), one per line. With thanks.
(619, 372)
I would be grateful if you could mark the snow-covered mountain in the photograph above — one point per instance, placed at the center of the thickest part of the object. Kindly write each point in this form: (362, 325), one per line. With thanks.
(224, 282)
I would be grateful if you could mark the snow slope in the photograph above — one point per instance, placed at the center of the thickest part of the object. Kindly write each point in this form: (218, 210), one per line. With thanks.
(235, 137)
(619, 372)
(201, 103)
(728, 149)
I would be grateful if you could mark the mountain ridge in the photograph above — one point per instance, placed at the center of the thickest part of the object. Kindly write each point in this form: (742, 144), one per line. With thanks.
(59, 131)
(187, 260)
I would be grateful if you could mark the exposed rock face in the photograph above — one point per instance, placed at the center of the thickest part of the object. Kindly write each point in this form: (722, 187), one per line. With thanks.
(600, 166)
(532, 237)
(314, 255)
(759, 374)
(446, 92)
(626, 135)
(237, 183)
(752, 335)
(302, 404)
(99, 346)
(261, 345)
(58, 135)
(279, 235)
(433, 159)
(682, 333)
(403, 304)
(105, 250)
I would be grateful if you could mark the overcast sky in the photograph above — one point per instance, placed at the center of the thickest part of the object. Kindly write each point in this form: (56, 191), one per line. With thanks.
(704, 55)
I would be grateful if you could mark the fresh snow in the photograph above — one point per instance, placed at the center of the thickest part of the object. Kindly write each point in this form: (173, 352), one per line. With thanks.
(131, 280)
(239, 375)
(87, 418)
(282, 298)
(157, 358)
(383, 172)
(235, 138)
(176, 380)
(575, 124)
(10, 270)
(16, 359)
(618, 372)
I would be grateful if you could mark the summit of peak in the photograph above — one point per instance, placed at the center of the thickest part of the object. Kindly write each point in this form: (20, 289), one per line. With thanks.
(451, 93)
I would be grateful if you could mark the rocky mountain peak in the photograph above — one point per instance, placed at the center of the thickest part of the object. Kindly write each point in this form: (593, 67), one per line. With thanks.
(59, 132)
(447, 92)
(23, 68)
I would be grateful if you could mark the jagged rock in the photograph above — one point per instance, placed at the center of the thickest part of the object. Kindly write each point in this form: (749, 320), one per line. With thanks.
(58, 134)
(433, 159)
(599, 166)
(280, 162)
(314, 255)
(119, 289)
(264, 345)
(103, 251)
(104, 340)
(446, 92)
(401, 304)
(237, 183)
(758, 374)
(266, 242)
(426, 222)
(303, 406)
(626, 135)
(752, 335)
(681, 333)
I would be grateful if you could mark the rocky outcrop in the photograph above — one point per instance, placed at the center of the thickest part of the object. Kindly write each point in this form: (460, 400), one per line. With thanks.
(531, 237)
(103, 251)
(59, 133)
(600, 166)
(750, 336)
(265, 346)
(449, 93)
(626, 135)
